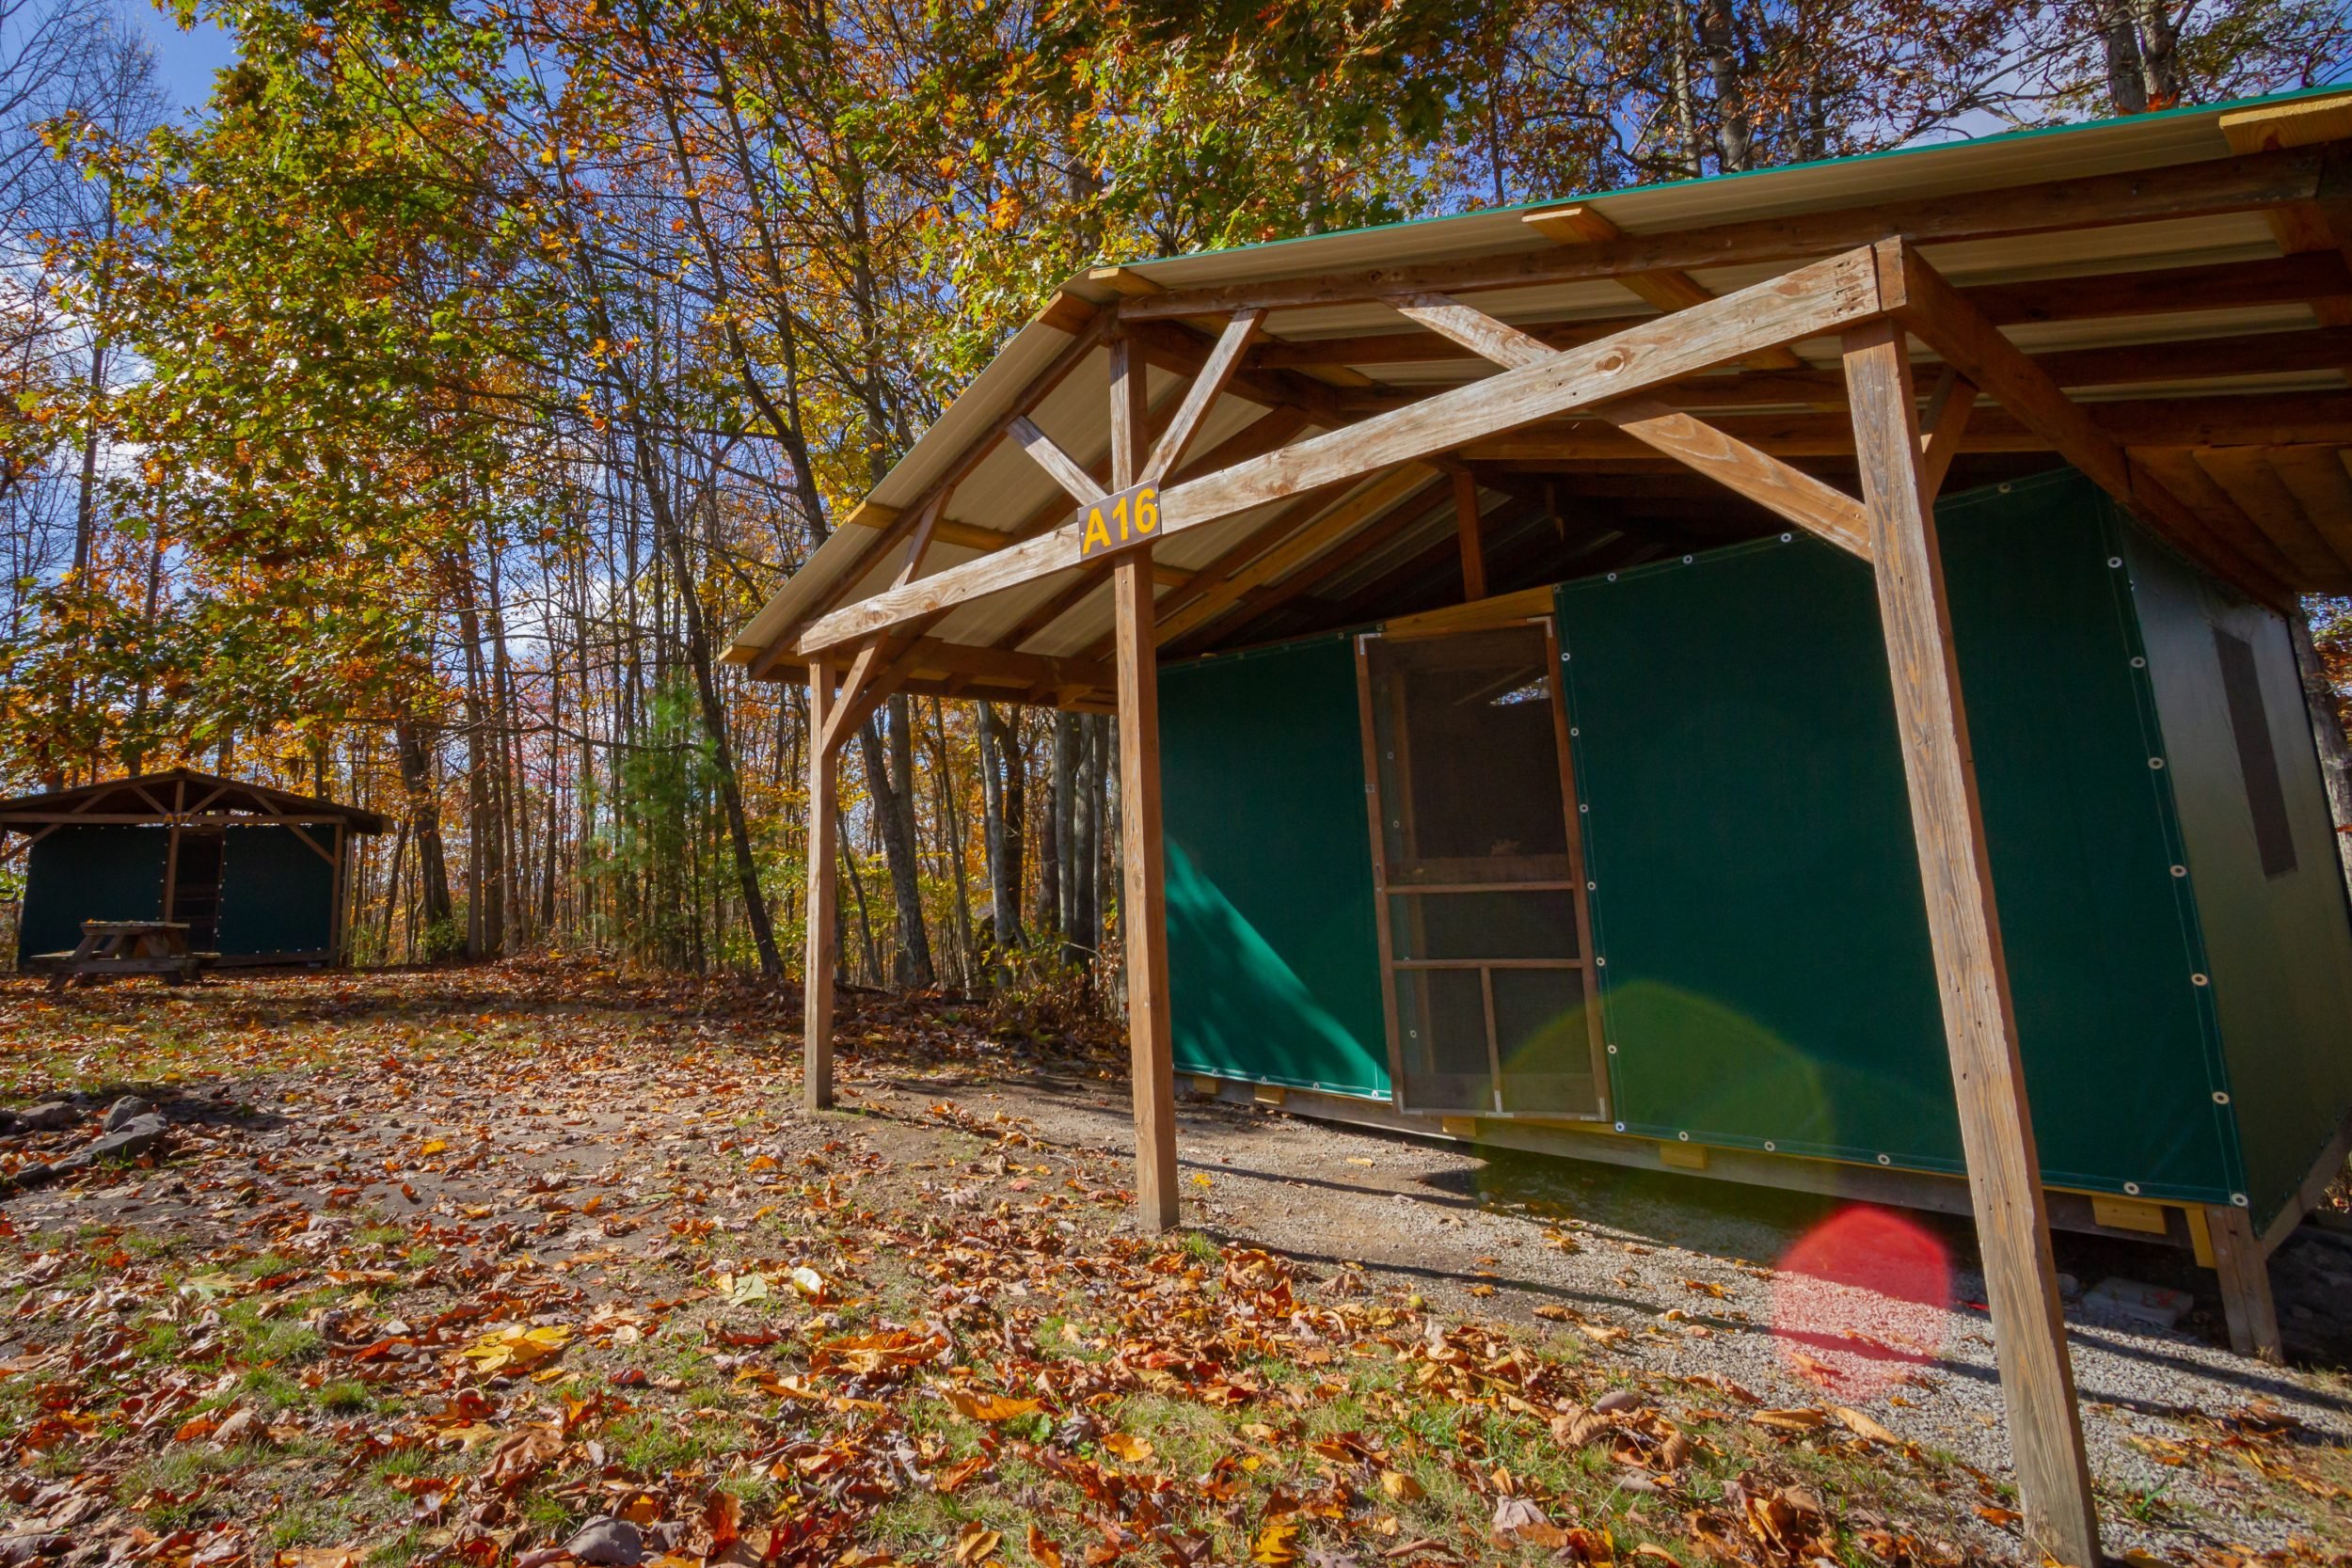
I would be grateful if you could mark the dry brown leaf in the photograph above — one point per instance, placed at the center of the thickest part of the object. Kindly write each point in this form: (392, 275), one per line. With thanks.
(1519, 1522)
(723, 1516)
(1809, 1418)
(990, 1407)
(520, 1455)
(1277, 1541)
(515, 1348)
(1862, 1425)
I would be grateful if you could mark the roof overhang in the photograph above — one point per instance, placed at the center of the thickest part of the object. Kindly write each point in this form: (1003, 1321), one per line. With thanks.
(2163, 302)
(184, 795)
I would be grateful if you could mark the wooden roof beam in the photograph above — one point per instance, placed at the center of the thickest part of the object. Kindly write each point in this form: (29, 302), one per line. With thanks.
(1786, 492)
(1580, 222)
(2306, 227)
(1770, 484)
(1812, 300)
(1400, 487)
(1265, 435)
(2281, 419)
(1208, 385)
(1942, 429)
(2254, 182)
(2319, 281)
(1084, 340)
(1067, 472)
(1176, 346)
(1267, 596)
(2246, 475)
(1930, 307)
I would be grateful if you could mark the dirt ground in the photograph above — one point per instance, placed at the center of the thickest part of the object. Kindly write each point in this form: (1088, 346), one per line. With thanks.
(920, 1328)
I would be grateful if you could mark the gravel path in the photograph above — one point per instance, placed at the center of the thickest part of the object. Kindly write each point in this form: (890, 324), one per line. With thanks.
(1686, 1266)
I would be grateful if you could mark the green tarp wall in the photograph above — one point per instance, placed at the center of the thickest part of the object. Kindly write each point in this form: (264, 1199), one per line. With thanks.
(100, 871)
(1769, 983)
(1273, 962)
(1766, 976)
(277, 893)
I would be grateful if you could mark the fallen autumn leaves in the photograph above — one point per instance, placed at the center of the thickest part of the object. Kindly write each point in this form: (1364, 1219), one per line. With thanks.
(539, 1266)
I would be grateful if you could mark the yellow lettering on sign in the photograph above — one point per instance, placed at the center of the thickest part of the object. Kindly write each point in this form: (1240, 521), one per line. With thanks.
(1136, 512)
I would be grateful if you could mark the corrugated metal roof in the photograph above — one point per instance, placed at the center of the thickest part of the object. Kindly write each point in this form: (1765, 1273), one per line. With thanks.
(1006, 492)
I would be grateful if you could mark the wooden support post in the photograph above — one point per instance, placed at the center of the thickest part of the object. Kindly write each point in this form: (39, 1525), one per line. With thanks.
(1972, 975)
(171, 870)
(2238, 1257)
(817, 967)
(1143, 908)
(1473, 546)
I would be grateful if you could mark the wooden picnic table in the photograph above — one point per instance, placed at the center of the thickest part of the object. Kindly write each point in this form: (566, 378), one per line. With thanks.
(125, 947)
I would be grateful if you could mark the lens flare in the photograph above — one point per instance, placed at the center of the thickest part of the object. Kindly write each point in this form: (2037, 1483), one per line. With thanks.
(1861, 1299)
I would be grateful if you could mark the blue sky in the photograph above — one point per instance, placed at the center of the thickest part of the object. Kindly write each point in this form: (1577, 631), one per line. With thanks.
(189, 59)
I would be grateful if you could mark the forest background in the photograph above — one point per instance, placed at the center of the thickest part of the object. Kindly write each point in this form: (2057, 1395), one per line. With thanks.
(412, 422)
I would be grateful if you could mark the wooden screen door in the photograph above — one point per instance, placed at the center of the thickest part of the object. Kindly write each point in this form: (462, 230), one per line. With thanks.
(1491, 1006)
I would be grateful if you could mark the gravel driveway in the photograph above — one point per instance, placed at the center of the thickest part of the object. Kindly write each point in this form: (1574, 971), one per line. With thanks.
(1688, 1265)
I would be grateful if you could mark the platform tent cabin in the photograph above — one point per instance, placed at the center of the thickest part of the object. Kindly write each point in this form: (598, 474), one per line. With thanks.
(1797, 677)
(259, 876)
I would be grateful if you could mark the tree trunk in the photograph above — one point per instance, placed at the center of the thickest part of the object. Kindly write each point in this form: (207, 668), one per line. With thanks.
(1719, 40)
(424, 811)
(1083, 869)
(951, 836)
(391, 889)
(713, 708)
(1000, 834)
(2119, 35)
(485, 934)
(891, 782)
(2159, 32)
(865, 917)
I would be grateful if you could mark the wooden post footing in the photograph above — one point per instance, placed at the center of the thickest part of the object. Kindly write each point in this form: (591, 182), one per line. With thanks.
(2238, 1257)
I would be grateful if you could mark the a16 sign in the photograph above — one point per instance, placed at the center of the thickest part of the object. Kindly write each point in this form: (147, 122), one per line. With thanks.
(1121, 521)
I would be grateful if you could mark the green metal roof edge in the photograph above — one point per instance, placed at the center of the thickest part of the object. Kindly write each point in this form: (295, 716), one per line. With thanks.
(1908, 149)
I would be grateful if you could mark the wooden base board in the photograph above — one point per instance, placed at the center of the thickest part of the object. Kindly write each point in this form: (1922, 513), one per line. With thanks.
(1596, 1143)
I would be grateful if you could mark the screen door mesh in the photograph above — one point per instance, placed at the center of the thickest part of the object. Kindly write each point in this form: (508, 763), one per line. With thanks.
(1482, 944)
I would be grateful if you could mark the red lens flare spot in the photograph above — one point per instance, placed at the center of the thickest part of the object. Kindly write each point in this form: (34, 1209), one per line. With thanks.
(1861, 1300)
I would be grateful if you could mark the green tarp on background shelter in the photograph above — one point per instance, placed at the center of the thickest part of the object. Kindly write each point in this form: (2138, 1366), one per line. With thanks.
(1273, 964)
(1768, 979)
(89, 871)
(277, 893)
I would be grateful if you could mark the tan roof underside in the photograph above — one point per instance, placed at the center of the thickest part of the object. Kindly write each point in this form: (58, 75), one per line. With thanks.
(1008, 487)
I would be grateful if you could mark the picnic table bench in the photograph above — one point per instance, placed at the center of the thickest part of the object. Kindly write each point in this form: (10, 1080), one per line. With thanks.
(125, 947)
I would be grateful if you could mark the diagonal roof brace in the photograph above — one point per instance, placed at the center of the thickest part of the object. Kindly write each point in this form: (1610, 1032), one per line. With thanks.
(1824, 297)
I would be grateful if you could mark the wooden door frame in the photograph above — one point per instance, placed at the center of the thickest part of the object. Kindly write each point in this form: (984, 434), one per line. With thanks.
(1585, 963)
